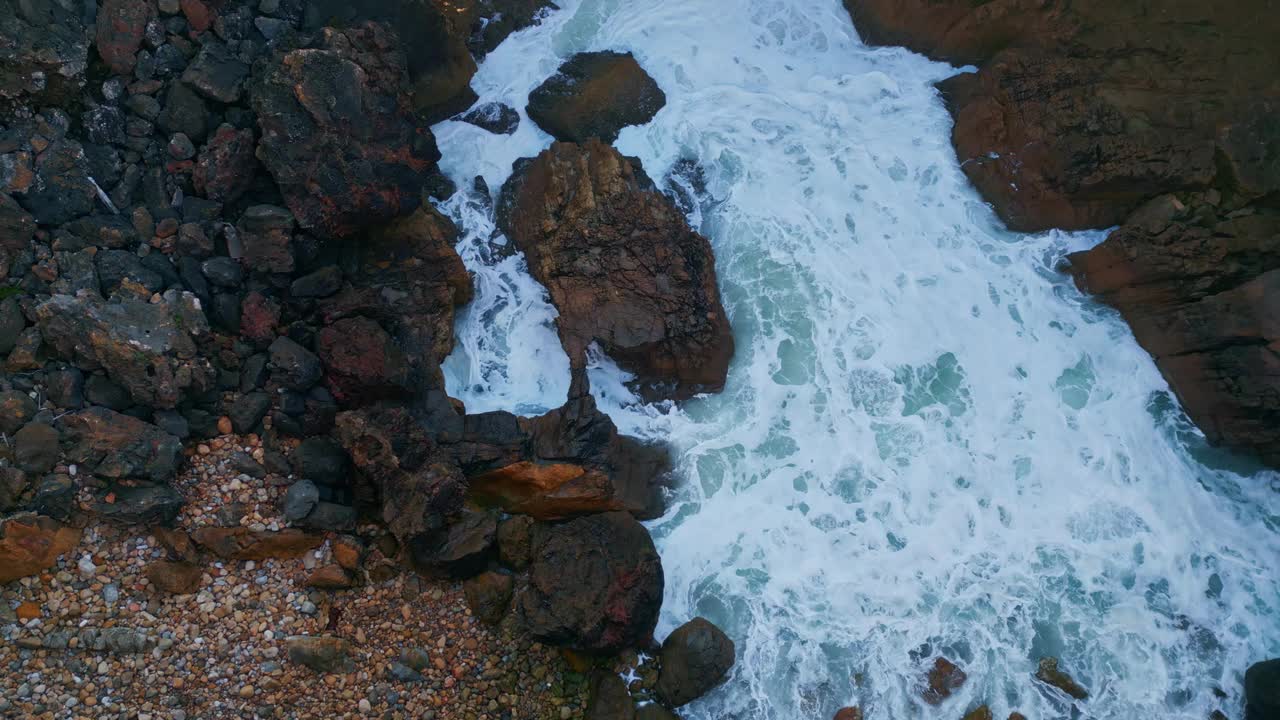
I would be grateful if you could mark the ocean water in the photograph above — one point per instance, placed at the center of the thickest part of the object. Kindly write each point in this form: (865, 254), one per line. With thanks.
(930, 442)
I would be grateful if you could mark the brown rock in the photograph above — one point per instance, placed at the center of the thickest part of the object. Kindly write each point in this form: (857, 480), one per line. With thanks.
(1048, 673)
(1018, 716)
(460, 550)
(849, 713)
(266, 232)
(981, 712)
(28, 611)
(31, 543)
(121, 24)
(347, 552)
(241, 543)
(943, 679)
(488, 595)
(259, 316)
(515, 541)
(177, 542)
(329, 577)
(113, 445)
(362, 363)
(198, 15)
(608, 698)
(594, 95)
(622, 267)
(175, 578)
(696, 658)
(546, 492)
(322, 653)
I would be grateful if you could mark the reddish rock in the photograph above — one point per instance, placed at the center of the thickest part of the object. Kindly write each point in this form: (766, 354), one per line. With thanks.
(32, 543)
(943, 679)
(241, 543)
(329, 577)
(177, 543)
(121, 24)
(175, 578)
(28, 611)
(347, 552)
(225, 167)
(849, 713)
(338, 134)
(595, 95)
(622, 267)
(259, 316)
(362, 363)
(199, 17)
(546, 491)
(595, 584)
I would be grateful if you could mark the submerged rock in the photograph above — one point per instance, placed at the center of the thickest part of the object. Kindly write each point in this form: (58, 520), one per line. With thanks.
(943, 679)
(622, 267)
(594, 95)
(1047, 672)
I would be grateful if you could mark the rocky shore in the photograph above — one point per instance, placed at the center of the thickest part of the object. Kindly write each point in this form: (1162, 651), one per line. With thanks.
(231, 481)
(1157, 118)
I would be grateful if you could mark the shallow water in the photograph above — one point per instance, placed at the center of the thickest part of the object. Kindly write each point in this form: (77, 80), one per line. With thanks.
(930, 442)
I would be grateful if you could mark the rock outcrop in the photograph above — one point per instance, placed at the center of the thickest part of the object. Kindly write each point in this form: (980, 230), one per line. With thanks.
(622, 267)
(1156, 116)
(595, 95)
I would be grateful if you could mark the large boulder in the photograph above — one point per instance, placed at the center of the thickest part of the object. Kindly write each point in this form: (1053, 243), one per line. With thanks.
(112, 445)
(622, 266)
(696, 658)
(338, 134)
(1262, 690)
(148, 348)
(595, 95)
(32, 543)
(594, 584)
(45, 51)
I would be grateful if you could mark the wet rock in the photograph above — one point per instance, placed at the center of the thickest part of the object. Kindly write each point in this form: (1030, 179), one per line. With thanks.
(362, 363)
(495, 117)
(696, 658)
(491, 21)
(139, 505)
(294, 366)
(608, 698)
(1261, 689)
(943, 679)
(1047, 672)
(35, 448)
(266, 232)
(148, 348)
(654, 711)
(241, 543)
(595, 584)
(594, 95)
(216, 73)
(981, 712)
(61, 190)
(359, 157)
(849, 713)
(16, 409)
(622, 267)
(121, 24)
(299, 500)
(488, 596)
(175, 578)
(32, 543)
(460, 550)
(225, 168)
(247, 411)
(322, 653)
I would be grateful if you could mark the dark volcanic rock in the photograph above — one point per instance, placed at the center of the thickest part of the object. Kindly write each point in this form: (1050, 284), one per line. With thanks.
(294, 366)
(622, 267)
(216, 73)
(140, 505)
(1262, 690)
(45, 51)
(595, 584)
(61, 190)
(943, 678)
(461, 550)
(112, 445)
(35, 448)
(266, 232)
(224, 170)
(1047, 672)
(362, 363)
(121, 24)
(338, 134)
(184, 112)
(594, 95)
(495, 117)
(149, 348)
(322, 460)
(16, 409)
(696, 658)
(491, 21)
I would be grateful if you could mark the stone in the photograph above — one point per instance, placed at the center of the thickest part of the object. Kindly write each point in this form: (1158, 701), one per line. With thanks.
(121, 24)
(594, 95)
(319, 284)
(46, 53)
(495, 117)
(329, 577)
(608, 698)
(181, 147)
(217, 73)
(333, 517)
(32, 543)
(622, 267)
(849, 713)
(594, 584)
(460, 550)
(247, 411)
(515, 541)
(654, 711)
(1261, 689)
(198, 15)
(242, 543)
(337, 182)
(62, 189)
(322, 653)
(362, 363)
(175, 578)
(259, 316)
(12, 323)
(403, 673)
(26, 354)
(184, 112)
(323, 461)
(148, 348)
(119, 268)
(982, 712)
(139, 505)
(299, 500)
(266, 231)
(17, 228)
(488, 596)
(1047, 672)
(16, 409)
(222, 271)
(100, 390)
(35, 448)
(696, 658)
(294, 366)
(943, 679)
(225, 168)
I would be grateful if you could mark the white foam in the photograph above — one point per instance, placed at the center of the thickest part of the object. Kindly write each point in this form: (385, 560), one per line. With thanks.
(928, 436)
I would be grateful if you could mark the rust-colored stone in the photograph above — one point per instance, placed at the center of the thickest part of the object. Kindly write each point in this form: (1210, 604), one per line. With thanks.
(241, 543)
(31, 543)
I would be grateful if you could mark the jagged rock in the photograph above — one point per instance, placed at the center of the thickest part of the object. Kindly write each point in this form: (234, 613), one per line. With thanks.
(491, 21)
(654, 711)
(1261, 690)
(13, 486)
(488, 596)
(594, 95)
(46, 51)
(116, 446)
(32, 543)
(943, 679)
(1047, 672)
(460, 550)
(319, 284)
(175, 578)
(224, 169)
(608, 698)
(139, 505)
(148, 348)
(495, 117)
(362, 363)
(696, 658)
(594, 584)
(299, 500)
(337, 131)
(17, 228)
(216, 73)
(247, 411)
(61, 190)
(331, 517)
(184, 111)
(121, 24)
(322, 653)
(515, 541)
(241, 543)
(982, 712)
(294, 366)
(16, 409)
(622, 267)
